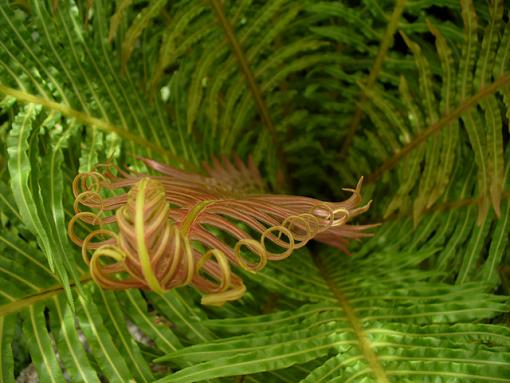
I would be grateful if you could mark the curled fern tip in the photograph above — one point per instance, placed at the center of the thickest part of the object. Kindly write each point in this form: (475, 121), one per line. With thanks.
(178, 228)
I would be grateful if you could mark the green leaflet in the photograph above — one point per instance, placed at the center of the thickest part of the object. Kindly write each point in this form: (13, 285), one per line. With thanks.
(184, 314)
(269, 343)
(120, 9)
(473, 250)
(110, 361)
(52, 180)
(489, 44)
(108, 311)
(7, 327)
(173, 46)
(41, 349)
(469, 49)
(499, 240)
(261, 323)
(472, 121)
(136, 29)
(288, 282)
(275, 358)
(71, 351)
(432, 151)
(490, 107)
(20, 166)
(496, 250)
(135, 305)
(495, 151)
(450, 135)
(26, 191)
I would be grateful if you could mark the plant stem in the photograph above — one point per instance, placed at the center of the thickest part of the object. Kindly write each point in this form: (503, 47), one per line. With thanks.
(357, 327)
(254, 89)
(438, 125)
(372, 77)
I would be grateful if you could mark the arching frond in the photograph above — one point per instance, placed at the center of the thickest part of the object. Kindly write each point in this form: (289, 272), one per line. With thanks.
(312, 96)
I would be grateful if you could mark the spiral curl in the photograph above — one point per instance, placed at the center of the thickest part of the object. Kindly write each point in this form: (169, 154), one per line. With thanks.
(149, 251)
(299, 230)
(137, 240)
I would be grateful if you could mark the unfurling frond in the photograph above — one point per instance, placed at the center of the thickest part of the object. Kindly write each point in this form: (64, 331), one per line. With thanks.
(180, 228)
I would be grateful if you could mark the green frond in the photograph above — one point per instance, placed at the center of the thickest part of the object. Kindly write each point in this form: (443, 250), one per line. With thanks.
(378, 324)
(413, 95)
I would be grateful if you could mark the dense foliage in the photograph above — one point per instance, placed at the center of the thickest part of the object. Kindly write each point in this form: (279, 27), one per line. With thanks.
(413, 95)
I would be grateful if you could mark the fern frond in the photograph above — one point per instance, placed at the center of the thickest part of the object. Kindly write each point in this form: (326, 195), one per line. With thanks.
(376, 326)
(412, 94)
(472, 111)
(172, 227)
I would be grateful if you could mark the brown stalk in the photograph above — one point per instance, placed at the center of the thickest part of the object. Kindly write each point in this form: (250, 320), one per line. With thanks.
(448, 205)
(254, 88)
(437, 126)
(372, 77)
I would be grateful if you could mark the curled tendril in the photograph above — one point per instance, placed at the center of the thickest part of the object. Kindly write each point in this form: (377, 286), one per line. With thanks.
(90, 181)
(84, 217)
(143, 238)
(87, 244)
(90, 199)
(340, 216)
(287, 246)
(149, 251)
(303, 228)
(222, 262)
(324, 214)
(256, 248)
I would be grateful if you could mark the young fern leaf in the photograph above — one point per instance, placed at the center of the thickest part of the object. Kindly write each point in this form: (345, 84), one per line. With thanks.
(179, 228)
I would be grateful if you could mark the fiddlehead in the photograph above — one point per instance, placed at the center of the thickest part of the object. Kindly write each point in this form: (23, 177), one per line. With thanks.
(156, 235)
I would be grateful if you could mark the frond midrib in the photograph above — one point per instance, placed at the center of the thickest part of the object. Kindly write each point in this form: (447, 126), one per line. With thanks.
(43, 295)
(444, 121)
(362, 338)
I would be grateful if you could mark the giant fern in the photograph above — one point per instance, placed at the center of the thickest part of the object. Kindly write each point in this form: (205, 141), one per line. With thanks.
(411, 94)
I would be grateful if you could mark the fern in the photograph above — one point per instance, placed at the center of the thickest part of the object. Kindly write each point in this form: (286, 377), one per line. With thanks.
(414, 95)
